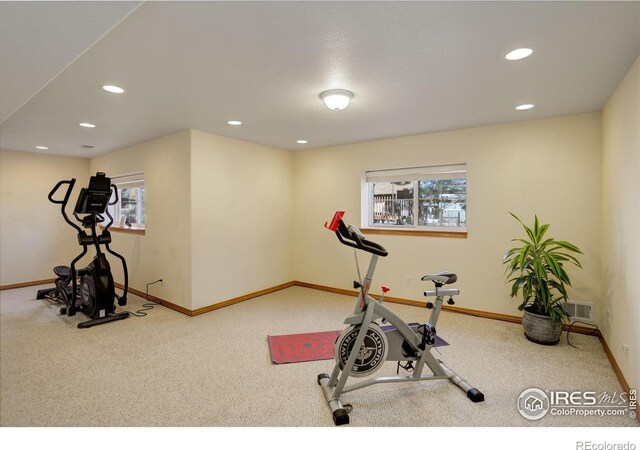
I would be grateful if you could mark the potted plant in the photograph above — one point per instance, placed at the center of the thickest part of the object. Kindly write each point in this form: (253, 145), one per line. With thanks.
(536, 270)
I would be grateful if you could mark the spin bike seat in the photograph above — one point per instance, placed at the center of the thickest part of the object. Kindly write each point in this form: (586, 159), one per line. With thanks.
(441, 278)
(62, 271)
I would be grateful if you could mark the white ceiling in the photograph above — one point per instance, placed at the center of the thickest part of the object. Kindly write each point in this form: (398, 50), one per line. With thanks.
(414, 67)
(39, 39)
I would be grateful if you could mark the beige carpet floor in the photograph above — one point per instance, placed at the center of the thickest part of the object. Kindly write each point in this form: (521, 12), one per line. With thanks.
(213, 370)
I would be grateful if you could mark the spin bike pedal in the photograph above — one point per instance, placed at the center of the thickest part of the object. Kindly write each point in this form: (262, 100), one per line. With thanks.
(408, 351)
(428, 333)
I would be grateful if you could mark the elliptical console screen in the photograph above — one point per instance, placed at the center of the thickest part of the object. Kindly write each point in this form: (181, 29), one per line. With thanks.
(96, 197)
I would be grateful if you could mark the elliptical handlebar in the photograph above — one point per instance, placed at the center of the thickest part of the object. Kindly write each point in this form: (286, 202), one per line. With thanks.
(114, 189)
(64, 201)
(99, 218)
(71, 183)
(352, 237)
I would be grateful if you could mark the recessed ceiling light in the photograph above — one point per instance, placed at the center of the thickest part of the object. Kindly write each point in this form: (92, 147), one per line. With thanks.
(234, 122)
(39, 147)
(113, 89)
(518, 54)
(87, 125)
(524, 107)
(301, 141)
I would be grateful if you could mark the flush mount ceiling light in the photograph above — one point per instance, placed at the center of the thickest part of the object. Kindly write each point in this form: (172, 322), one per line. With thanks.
(87, 125)
(301, 141)
(113, 89)
(524, 107)
(519, 53)
(234, 122)
(40, 147)
(336, 99)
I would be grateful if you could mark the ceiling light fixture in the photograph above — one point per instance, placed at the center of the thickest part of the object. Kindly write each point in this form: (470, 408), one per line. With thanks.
(113, 89)
(301, 141)
(519, 53)
(234, 122)
(336, 99)
(39, 147)
(524, 107)
(87, 125)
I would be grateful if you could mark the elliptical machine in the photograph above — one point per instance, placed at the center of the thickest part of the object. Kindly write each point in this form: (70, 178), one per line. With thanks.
(95, 295)
(364, 345)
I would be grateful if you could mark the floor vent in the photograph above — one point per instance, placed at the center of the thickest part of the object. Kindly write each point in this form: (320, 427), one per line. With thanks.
(579, 310)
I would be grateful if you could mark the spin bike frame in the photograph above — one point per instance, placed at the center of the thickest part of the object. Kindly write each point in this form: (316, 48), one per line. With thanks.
(367, 310)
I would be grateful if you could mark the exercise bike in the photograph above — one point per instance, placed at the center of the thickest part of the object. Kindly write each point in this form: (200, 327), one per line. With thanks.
(95, 294)
(365, 345)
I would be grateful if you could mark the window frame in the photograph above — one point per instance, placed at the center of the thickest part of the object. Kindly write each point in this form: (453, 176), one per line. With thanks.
(116, 210)
(421, 173)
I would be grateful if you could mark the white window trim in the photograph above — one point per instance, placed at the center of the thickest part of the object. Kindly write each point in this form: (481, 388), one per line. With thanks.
(414, 174)
(124, 180)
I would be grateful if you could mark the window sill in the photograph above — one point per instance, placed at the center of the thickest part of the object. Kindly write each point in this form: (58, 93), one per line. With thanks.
(415, 232)
(126, 230)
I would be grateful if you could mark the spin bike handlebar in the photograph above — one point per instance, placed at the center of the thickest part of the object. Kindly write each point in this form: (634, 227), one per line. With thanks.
(352, 237)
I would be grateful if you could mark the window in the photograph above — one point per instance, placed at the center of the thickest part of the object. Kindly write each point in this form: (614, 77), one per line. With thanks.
(430, 198)
(129, 212)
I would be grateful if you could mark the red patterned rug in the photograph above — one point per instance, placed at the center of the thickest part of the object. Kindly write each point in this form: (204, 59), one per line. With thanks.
(293, 348)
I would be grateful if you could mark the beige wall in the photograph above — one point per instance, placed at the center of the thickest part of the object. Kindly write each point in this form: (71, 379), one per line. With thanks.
(621, 224)
(33, 235)
(165, 249)
(548, 167)
(226, 217)
(241, 212)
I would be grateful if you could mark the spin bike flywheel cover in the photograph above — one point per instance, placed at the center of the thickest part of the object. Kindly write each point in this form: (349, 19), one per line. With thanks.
(371, 355)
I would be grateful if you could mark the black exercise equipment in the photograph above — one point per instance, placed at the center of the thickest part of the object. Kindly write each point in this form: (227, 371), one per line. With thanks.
(95, 294)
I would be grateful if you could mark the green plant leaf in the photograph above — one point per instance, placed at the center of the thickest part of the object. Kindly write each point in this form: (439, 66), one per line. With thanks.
(567, 257)
(552, 263)
(568, 246)
(541, 232)
(523, 255)
(516, 217)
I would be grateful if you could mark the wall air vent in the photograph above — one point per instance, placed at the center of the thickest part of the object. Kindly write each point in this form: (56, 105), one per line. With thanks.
(579, 310)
